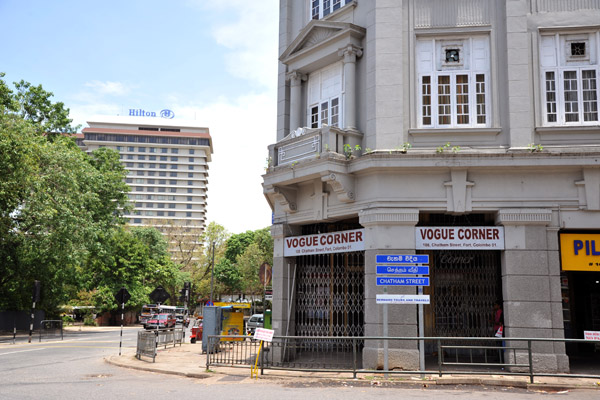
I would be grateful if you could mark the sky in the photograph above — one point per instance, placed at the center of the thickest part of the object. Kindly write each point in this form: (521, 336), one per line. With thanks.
(211, 61)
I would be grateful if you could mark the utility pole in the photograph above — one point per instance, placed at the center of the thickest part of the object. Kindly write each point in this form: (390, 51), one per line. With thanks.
(212, 273)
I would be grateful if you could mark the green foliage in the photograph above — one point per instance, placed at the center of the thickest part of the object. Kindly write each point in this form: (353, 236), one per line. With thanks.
(535, 148)
(56, 202)
(229, 276)
(237, 244)
(33, 104)
(441, 149)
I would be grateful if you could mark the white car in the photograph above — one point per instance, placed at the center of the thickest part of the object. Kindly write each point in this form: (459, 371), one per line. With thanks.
(255, 321)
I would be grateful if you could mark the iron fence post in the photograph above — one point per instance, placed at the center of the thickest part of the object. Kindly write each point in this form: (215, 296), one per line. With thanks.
(262, 358)
(439, 343)
(530, 361)
(354, 358)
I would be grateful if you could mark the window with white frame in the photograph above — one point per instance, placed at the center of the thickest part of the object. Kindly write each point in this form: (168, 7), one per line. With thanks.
(324, 96)
(570, 68)
(454, 82)
(322, 8)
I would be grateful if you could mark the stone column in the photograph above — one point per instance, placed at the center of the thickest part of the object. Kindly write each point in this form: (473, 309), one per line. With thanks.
(531, 285)
(350, 54)
(389, 231)
(296, 79)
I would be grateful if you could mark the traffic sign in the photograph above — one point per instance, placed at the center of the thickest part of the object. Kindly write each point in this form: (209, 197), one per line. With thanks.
(159, 295)
(122, 296)
(402, 299)
(403, 259)
(402, 281)
(402, 270)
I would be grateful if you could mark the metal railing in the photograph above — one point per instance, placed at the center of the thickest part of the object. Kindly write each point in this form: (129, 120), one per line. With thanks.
(148, 341)
(455, 355)
(51, 328)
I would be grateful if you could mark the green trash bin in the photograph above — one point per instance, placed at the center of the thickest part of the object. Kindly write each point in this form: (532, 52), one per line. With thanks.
(267, 319)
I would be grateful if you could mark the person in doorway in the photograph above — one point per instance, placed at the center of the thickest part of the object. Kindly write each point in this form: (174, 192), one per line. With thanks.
(499, 326)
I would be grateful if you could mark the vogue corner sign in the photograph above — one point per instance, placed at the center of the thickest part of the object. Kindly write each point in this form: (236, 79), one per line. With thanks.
(334, 242)
(460, 238)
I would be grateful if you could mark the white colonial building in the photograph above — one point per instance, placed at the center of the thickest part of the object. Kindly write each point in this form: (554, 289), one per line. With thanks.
(465, 130)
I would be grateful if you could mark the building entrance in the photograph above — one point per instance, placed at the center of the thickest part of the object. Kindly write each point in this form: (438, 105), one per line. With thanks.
(463, 288)
(330, 295)
(581, 310)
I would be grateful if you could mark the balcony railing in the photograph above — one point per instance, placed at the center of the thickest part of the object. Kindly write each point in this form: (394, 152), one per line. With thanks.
(309, 143)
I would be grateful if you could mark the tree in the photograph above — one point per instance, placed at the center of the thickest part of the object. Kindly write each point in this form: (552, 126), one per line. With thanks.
(56, 202)
(228, 275)
(237, 244)
(136, 259)
(33, 104)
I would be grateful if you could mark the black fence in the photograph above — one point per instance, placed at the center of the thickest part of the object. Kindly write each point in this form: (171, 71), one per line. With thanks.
(466, 356)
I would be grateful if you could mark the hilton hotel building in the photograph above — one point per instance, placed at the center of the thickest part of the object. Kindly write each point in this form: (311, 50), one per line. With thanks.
(167, 167)
(467, 131)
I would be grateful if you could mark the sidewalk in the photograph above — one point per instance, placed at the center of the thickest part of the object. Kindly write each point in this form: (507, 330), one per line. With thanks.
(187, 360)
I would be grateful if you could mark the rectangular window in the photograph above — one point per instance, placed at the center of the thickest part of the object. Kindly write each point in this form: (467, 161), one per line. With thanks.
(462, 99)
(453, 75)
(192, 151)
(174, 151)
(191, 159)
(589, 88)
(335, 112)
(142, 149)
(322, 8)
(570, 78)
(314, 117)
(171, 213)
(426, 99)
(172, 182)
(152, 149)
(162, 173)
(570, 92)
(444, 100)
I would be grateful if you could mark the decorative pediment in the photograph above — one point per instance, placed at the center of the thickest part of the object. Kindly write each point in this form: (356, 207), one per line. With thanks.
(321, 40)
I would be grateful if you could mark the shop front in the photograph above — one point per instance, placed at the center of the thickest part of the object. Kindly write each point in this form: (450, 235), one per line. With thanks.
(580, 288)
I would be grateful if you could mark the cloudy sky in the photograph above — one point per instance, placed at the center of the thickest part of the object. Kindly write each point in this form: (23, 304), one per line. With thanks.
(211, 61)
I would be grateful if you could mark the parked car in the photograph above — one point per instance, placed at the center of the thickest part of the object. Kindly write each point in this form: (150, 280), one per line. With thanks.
(161, 321)
(196, 331)
(182, 319)
(255, 321)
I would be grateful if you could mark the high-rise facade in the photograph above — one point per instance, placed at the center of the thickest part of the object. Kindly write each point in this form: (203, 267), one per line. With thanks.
(464, 130)
(167, 167)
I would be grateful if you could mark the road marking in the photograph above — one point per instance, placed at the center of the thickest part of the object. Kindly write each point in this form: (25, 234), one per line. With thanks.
(21, 351)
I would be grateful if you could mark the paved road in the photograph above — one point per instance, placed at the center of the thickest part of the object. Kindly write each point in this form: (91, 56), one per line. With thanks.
(74, 369)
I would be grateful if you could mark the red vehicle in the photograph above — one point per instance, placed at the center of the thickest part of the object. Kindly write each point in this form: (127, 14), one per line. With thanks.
(196, 331)
(158, 321)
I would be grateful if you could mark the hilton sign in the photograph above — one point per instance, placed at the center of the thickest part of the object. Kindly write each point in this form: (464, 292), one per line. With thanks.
(168, 114)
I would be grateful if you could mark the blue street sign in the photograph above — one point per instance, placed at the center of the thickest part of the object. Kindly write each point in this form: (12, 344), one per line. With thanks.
(403, 259)
(402, 281)
(402, 270)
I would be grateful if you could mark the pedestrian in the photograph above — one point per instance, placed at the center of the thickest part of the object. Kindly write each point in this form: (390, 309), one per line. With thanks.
(499, 326)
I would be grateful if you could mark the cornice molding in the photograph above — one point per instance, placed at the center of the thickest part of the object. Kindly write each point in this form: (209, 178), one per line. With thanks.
(389, 216)
(524, 216)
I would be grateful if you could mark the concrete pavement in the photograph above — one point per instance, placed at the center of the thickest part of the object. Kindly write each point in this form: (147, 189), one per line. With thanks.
(187, 360)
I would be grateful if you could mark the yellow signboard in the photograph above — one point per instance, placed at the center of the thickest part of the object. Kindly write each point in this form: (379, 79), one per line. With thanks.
(234, 305)
(580, 252)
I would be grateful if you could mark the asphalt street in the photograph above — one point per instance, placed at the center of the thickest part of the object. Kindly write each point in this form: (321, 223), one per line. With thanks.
(74, 368)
